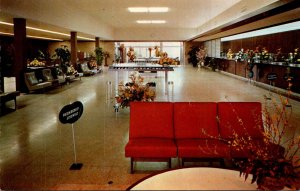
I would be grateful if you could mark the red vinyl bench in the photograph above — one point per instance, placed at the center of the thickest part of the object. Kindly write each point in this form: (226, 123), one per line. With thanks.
(151, 133)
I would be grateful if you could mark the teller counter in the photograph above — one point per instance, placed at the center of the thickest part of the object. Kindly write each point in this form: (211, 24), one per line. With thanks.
(261, 70)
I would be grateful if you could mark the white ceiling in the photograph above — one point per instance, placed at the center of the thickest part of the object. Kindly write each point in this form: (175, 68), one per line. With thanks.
(110, 20)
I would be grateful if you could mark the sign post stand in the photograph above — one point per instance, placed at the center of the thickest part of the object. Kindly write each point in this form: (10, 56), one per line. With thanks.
(271, 77)
(75, 165)
(70, 114)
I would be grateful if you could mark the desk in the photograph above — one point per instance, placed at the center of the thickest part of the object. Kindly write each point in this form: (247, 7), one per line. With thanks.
(140, 67)
(196, 178)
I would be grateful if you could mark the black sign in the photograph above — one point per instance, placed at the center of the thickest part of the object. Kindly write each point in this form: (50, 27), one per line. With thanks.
(272, 76)
(289, 77)
(71, 113)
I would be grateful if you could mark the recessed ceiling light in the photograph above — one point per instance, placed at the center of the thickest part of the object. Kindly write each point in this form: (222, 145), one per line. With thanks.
(148, 9)
(143, 21)
(158, 9)
(47, 31)
(28, 36)
(151, 21)
(45, 38)
(138, 9)
(5, 33)
(158, 21)
(6, 23)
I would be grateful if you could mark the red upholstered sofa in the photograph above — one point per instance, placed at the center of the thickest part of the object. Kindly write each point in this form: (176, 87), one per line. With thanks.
(151, 133)
(243, 118)
(196, 132)
(191, 130)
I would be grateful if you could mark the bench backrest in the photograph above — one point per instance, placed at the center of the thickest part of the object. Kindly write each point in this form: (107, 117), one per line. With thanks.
(195, 120)
(84, 67)
(243, 118)
(151, 120)
(47, 75)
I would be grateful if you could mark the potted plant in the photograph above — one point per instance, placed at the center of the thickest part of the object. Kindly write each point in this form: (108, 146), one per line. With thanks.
(213, 64)
(276, 163)
(64, 55)
(193, 55)
(99, 54)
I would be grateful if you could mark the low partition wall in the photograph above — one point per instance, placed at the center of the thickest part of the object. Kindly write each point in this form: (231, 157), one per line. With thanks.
(263, 72)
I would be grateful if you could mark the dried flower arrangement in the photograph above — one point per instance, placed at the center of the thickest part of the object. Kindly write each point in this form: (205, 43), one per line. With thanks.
(135, 91)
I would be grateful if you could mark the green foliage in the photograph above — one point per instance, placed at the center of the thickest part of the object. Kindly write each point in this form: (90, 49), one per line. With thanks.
(99, 55)
(63, 54)
(213, 64)
(193, 55)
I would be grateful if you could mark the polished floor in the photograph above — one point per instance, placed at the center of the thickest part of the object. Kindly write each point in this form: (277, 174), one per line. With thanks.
(36, 150)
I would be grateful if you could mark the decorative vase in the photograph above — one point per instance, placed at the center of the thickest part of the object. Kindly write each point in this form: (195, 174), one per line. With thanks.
(271, 183)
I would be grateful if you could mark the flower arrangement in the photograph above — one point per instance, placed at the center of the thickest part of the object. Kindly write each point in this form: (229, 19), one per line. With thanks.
(131, 54)
(35, 63)
(275, 163)
(158, 53)
(165, 60)
(265, 54)
(201, 55)
(278, 55)
(135, 91)
(93, 64)
(71, 70)
(229, 54)
(296, 55)
(241, 55)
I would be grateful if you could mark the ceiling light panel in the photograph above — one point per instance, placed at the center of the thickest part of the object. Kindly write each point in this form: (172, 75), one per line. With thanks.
(158, 21)
(151, 21)
(158, 9)
(138, 9)
(6, 23)
(143, 21)
(148, 9)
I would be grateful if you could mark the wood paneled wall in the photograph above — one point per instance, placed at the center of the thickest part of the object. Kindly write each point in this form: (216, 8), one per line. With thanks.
(287, 41)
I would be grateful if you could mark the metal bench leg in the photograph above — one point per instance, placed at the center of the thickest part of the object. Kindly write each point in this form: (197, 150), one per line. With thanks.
(222, 162)
(131, 166)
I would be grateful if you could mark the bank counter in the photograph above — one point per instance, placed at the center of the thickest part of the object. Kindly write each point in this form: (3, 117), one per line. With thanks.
(263, 71)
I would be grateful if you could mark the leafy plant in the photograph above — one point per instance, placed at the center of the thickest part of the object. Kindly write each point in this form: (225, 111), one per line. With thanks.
(64, 55)
(213, 64)
(193, 55)
(99, 55)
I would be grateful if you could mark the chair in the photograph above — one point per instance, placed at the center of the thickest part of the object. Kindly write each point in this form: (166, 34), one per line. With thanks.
(33, 84)
(85, 69)
(49, 78)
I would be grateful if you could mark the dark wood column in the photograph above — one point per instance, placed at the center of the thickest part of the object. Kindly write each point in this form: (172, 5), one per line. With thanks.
(74, 49)
(20, 52)
(97, 42)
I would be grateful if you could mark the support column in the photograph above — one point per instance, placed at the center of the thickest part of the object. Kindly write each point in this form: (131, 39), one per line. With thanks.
(20, 53)
(97, 43)
(74, 49)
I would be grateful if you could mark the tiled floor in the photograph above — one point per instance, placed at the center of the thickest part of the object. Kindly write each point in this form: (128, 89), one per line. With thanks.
(36, 150)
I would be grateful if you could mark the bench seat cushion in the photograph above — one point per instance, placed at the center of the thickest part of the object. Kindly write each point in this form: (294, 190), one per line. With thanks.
(41, 85)
(202, 148)
(151, 147)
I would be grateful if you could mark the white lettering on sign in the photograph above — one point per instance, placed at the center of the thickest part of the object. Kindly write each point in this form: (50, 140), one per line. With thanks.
(72, 115)
(70, 112)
